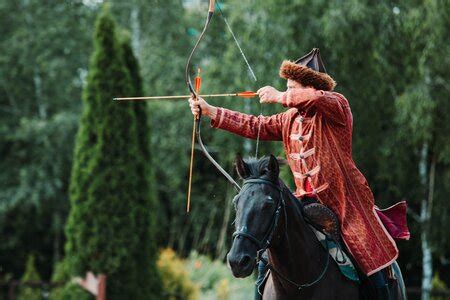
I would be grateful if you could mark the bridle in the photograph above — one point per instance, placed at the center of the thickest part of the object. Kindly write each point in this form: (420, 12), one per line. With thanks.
(267, 239)
(264, 244)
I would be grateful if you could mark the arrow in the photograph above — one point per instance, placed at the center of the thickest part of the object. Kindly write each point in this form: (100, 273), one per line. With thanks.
(246, 94)
(198, 84)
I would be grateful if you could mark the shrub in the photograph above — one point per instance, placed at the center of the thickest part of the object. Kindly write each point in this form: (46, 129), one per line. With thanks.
(215, 279)
(69, 291)
(223, 290)
(175, 277)
(30, 293)
(72, 291)
(437, 285)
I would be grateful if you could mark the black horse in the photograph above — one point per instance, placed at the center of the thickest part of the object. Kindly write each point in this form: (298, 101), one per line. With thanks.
(269, 217)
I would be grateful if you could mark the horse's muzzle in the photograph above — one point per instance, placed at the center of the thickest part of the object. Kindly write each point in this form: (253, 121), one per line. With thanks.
(242, 262)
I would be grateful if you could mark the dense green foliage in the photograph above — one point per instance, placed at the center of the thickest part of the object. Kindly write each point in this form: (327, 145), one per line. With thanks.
(199, 275)
(41, 76)
(175, 277)
(390, 59)
(108, 229)
(30, 275)
(66, 289)
(215, 279)
(146, 211)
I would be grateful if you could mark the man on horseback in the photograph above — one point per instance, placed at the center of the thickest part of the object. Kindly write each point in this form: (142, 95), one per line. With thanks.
(316, 131)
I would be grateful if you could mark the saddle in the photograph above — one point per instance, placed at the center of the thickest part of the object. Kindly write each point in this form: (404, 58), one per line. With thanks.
(323, 219)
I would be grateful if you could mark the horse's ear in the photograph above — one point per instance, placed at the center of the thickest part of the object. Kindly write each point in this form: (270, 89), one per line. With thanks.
(241, 167)
(273, 165)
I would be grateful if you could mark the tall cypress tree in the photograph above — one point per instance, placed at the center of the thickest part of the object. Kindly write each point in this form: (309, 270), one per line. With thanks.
(108, 222)
(149, 281)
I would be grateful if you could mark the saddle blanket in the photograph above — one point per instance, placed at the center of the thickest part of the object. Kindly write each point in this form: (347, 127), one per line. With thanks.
(339, 256)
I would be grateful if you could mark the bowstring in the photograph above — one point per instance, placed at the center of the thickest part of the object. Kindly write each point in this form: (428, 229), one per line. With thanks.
(236, 41)
(252, 73)
(259, 131)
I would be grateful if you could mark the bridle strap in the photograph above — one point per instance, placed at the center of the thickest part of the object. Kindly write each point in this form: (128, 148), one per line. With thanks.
(298, 285)
(249, 236)
(265, 242)
(263, 181)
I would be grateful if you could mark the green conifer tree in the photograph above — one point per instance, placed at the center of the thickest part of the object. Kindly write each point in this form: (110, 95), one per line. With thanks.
(108, 226)
(149, 279)
(30, 275)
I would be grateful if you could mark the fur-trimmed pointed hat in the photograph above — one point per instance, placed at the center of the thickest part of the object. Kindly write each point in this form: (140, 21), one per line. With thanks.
(309, 71)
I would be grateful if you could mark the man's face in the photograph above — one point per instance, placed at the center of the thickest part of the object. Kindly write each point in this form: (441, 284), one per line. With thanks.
(291, 84)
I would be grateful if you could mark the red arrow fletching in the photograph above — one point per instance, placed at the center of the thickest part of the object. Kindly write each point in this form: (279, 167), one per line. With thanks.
(198, 82)
(247, 94)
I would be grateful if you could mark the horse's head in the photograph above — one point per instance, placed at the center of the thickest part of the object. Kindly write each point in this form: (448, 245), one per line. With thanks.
(258, 208)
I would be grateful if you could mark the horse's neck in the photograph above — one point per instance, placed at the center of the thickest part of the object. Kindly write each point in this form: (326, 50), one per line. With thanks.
(294, 253)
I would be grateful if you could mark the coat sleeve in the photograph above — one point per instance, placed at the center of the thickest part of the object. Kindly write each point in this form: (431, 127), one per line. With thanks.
(270, 127)
(330, 104)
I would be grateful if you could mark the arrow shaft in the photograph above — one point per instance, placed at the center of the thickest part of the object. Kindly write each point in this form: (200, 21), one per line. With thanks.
(198, 84)
(183, 97)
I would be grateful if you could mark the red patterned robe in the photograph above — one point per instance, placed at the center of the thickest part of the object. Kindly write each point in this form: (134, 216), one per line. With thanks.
(317, 137)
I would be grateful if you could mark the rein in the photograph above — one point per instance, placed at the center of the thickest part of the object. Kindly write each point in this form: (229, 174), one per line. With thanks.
(264, 244)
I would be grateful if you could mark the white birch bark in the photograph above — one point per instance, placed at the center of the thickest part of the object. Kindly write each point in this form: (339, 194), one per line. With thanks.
(135, 31)
(427, 259)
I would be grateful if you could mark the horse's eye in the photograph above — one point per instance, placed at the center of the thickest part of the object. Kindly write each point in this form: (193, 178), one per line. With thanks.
(268, 203)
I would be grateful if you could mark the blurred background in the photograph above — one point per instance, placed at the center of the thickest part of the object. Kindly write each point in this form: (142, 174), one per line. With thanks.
(88, 184)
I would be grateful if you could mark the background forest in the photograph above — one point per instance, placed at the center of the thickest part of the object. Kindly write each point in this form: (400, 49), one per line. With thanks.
(68, 152)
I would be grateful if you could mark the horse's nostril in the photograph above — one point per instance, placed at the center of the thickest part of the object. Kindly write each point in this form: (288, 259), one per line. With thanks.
(244, 260)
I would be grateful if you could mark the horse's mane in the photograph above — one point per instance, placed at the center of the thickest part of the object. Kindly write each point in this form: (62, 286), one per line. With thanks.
(296, 203)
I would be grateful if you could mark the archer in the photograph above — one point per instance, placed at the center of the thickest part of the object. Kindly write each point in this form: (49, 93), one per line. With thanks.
(316, 131)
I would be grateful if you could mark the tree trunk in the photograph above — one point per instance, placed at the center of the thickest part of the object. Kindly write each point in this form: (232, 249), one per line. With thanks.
(221, 246)
(57, 226)
(427, 176)
(204, 244)
(427, 263)
(135, 31)
(42, 109)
